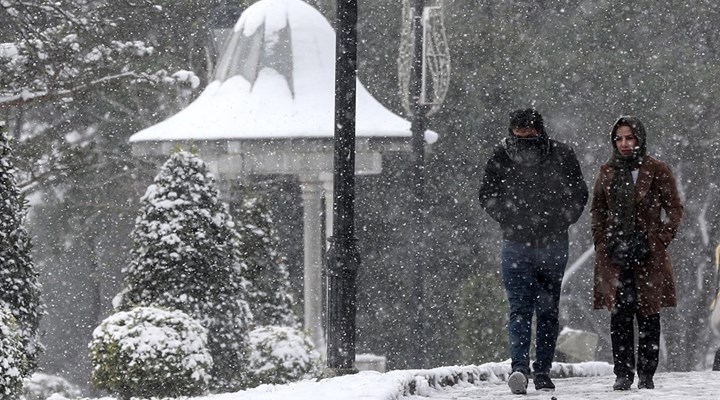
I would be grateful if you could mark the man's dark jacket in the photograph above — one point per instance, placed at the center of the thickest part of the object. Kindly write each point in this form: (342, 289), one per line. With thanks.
(534, 204)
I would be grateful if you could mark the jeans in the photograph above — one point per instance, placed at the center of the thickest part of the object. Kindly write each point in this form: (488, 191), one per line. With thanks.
(622, 333)
(533, 278)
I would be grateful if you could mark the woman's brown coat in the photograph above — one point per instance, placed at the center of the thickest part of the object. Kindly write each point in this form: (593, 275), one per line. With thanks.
(655, 190)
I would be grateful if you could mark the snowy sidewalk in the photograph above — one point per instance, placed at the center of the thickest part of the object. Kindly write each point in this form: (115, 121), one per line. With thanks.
(581, 381)
(668, 386)
(446, 382)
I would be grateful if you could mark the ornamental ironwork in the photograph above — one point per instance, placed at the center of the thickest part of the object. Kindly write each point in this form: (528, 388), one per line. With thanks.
(435, 58)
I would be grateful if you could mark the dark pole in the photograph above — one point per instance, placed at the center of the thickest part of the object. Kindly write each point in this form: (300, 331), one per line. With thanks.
(343, 258)
(417, 298)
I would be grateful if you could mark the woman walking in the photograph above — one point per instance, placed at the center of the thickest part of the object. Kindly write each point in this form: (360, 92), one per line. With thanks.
(633, 276)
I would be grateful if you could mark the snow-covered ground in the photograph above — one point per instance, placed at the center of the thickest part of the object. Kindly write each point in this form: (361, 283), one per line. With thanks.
(597, 384)
(668, 386)
(592, 380)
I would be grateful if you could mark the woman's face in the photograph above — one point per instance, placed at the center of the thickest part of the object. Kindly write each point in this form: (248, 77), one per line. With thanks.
(625, 140)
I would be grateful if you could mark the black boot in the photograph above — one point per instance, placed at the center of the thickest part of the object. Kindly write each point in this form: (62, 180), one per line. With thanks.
(645, 382)
(622, 383)
(543, 382)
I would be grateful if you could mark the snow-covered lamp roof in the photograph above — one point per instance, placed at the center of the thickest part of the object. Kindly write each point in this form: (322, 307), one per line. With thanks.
(275, 80)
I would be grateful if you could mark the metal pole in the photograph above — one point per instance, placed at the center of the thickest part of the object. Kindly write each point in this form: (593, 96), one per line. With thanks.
(417, 127)
(343, 258)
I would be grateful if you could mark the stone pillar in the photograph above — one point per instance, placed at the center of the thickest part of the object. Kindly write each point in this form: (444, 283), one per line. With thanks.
(327, 183)
(311, 188)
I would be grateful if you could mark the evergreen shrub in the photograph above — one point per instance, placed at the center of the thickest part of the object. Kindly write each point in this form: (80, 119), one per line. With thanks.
(41, 386)
(269, 290)
(11, 357)
(148, 352)
(280, 354)
(186, 256)
(19, 286)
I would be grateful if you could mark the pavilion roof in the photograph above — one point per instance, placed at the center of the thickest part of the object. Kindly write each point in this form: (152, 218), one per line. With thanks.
(275, 79)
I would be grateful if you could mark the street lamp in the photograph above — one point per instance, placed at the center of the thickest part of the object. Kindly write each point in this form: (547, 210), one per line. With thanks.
(427, 78)
(343, 257)
(424, 75)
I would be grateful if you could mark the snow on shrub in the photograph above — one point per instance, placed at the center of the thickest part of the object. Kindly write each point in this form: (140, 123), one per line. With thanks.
(11, 357)
(41, 386)
(148, 352)
(186, 256)
(269, 290)
(280, 354)
(19, 286)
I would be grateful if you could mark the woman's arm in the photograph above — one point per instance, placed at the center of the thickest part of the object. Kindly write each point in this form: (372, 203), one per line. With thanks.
(670, 199)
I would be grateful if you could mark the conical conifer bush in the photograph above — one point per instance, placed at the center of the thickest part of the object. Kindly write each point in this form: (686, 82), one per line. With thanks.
(269, 294)
(186, 257)
(19, 287)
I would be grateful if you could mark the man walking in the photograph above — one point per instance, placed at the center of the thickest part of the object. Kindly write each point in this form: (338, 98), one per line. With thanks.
(534, 188)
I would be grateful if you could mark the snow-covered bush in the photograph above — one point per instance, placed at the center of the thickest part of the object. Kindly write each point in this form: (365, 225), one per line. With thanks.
(281, 354)
(19, 287)
(269, 291)
(186, 257)
(11, 357)
(40, 386)
(150, 352)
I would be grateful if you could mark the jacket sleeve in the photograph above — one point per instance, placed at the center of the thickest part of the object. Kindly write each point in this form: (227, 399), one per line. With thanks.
(577, 188)
(670, 199)
(492, 191)
(599, 211)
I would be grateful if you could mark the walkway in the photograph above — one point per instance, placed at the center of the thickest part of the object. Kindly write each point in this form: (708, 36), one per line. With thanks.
(669, 386)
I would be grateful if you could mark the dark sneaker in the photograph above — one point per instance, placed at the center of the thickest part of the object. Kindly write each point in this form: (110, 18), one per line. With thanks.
(542, 382)
(622, 383)
(646, 382)
(518, 382)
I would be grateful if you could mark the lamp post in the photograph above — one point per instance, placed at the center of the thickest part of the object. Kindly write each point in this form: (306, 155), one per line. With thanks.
(417, 127)
(424, 71)
(343, 257)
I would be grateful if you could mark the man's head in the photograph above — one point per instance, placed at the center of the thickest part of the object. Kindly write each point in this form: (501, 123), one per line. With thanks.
(526, 123)
(527, 145)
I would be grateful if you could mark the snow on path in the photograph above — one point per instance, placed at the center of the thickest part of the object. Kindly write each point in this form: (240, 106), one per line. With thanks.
(668, 386)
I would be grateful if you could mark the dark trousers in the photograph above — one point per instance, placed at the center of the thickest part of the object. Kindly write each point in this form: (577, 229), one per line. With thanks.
(622, 333)
(533, 277)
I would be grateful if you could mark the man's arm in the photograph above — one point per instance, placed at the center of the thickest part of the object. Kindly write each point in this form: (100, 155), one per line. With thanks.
(492, 191)
(578, 189)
